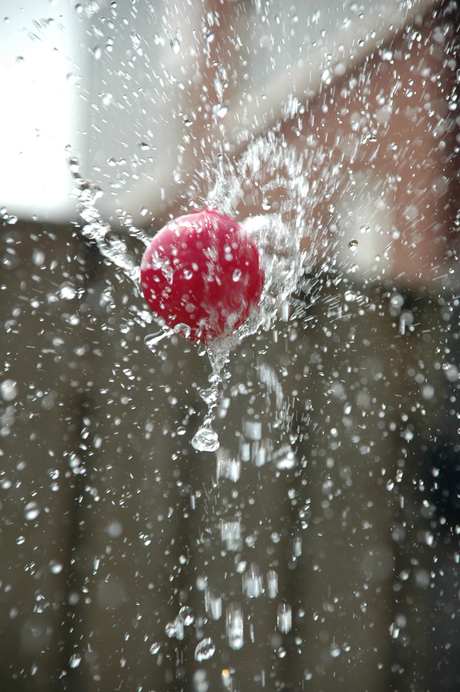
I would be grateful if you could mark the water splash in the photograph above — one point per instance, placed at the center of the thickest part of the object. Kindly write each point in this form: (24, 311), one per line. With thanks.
(280, 254)
(206, 439)
(277, 238)
(283, 266)
(111, 245)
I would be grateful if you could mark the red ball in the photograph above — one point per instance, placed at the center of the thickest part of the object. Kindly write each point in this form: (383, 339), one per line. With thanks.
(201, 275)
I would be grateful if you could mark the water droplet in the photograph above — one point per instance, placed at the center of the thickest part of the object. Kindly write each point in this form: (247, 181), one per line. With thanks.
(67, 291)
(154, 649)
(106, 100)
(297, 547)
(182, 328)
(201, 583)
(31, 511)
(234, 626)
(152, 340)
(340, 69)
(428, 391)
(135, 40)
(221, 111)
(175, 629)
(205, 440)
(236, 276)
(75, 660)
(8, 390)
(231, 534)
(353, 245)
(252, 581)
(252, 429)
(227, 465)
(396, 303)
(284, 618)
(56, 567)
(285, 458)
(38, 258)
(326, 77)
(205, 649)
(114, 529)
(394, 630)
(213, 603)
(175, 45)
(451, 372)
(186, 615)
(272, 584)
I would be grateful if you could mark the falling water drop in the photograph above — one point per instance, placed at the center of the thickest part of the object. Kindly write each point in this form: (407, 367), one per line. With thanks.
(31, 511)
(205, 649)
(205, 439)
(56, 567)
(151, 340)
(234, 626)
(75, 660)
(284, 618)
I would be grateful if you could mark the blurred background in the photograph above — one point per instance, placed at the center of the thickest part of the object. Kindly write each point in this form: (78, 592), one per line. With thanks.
(318, 548)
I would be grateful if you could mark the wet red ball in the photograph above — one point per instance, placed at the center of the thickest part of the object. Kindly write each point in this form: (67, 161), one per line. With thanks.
(202, 276)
